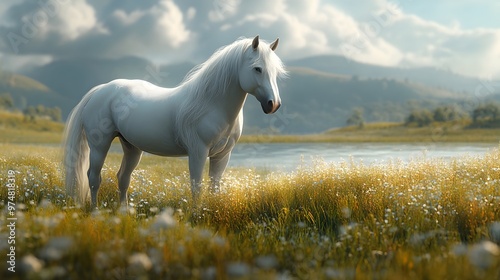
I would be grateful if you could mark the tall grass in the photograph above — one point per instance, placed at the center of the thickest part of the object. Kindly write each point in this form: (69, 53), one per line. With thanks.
(426, 219)
(17, 128)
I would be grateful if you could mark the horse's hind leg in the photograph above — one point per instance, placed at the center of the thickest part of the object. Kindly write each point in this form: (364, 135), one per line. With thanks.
(131, 157)
(98, 153)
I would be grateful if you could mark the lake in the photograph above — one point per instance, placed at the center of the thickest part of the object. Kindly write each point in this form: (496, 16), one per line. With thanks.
(287, 157)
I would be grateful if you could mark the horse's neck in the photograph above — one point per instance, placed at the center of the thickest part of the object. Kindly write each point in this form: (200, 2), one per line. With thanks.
(232, 101)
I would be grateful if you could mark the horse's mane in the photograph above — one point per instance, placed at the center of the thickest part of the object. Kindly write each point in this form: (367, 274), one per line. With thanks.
(209, 80)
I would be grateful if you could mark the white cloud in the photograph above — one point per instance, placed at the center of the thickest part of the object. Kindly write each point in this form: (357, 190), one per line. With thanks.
(127, 19)
(379, 32)
(74, 28)
(223, 9)
(427, 43)
(25, 62)
(146, 32)
(171, 23)
(34, 26)
(71, 20)
(191, 13)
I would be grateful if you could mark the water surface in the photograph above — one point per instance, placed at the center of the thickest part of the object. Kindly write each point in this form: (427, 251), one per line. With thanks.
(290, 156)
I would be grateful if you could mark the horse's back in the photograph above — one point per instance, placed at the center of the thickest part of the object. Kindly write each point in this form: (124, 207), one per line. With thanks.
(123, 94)
(140, 112)
(138, 88)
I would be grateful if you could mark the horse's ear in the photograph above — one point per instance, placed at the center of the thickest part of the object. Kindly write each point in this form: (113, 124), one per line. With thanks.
(274, 44)
(255, 42)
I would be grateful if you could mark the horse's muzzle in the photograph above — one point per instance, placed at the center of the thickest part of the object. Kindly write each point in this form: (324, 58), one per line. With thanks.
(270, 106)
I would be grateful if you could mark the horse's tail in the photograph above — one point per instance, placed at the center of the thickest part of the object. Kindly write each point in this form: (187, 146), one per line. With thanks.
(76, 153)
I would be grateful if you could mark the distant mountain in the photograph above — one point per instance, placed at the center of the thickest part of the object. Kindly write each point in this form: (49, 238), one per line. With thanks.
(314, 101)
(428, 76)
(28, 92)
(320, 92)
(75, 77)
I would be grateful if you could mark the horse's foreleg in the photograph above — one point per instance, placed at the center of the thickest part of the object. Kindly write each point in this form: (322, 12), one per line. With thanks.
(196, 164)
(131, 157)
(217, 166)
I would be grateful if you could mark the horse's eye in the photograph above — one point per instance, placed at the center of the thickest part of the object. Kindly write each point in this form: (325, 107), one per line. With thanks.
(258, 69)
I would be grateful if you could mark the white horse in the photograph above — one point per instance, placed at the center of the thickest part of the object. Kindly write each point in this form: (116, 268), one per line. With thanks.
(200, 118)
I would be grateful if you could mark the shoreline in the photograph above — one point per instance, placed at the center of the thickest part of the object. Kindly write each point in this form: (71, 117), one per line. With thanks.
(371, 133)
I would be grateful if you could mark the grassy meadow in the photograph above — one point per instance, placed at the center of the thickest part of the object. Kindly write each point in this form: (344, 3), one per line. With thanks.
(15, 128)
(427, 219)
(388, 133)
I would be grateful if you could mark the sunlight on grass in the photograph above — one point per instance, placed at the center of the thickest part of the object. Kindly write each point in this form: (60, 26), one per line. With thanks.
(426, 219)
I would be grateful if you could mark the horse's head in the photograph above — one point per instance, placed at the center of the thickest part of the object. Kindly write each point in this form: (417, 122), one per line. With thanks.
(260, 69)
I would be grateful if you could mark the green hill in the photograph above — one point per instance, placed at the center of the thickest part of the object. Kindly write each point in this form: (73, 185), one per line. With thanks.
(431, 77)
(314, 101)
(26, 91)
(22, 82)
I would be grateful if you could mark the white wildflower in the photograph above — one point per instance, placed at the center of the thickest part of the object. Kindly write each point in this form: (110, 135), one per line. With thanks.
(266, 262)
(219, 241)
(56, 248)
(97, 215)
(101, 260)
(139, 263)
(205, 233)
(209, 273)
(45, 204)
(30, 264)
(346, 212)
(156, 257)
(51, 254)
(164, 220)
(144, 232)
(484, 254)
(459, 250)
(379, 254)
(495, 232)
(331, 273)
(238, 269)
(125, 210)
(115, 220)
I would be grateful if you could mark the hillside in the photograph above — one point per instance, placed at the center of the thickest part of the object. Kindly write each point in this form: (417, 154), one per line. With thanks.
(398, 132)
(29, 92)
(74, 77)
(431, 77)
(314, 101)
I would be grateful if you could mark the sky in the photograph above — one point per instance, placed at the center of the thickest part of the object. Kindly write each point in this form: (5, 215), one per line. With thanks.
(460, 36)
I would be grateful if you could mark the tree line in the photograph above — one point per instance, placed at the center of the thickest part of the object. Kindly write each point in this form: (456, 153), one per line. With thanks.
(483, 116)
(31, 113)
